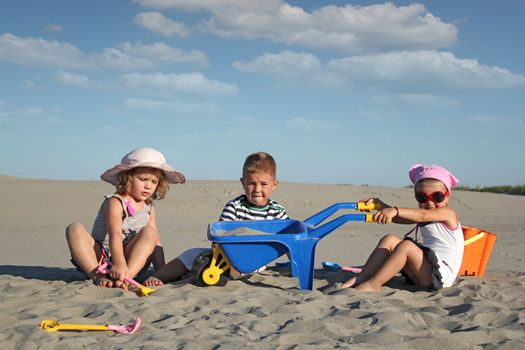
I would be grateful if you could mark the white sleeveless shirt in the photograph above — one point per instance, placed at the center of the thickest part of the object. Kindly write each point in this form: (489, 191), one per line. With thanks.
(448, 245)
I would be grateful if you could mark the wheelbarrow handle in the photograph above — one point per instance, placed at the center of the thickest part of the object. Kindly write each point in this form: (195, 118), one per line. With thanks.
(321, 231)
(316, 219)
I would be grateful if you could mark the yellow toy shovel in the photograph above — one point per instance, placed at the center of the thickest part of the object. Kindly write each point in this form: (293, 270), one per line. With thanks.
(53, 326)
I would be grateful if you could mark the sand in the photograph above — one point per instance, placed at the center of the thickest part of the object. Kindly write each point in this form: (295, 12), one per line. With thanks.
(266, 311)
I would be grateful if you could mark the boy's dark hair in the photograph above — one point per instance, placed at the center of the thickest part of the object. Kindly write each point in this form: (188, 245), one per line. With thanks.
(260, 162)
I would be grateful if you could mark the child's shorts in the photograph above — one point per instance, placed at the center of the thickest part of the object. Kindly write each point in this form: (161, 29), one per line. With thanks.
(103, 249)
(105, 256)
(435, 275)
(188, 257)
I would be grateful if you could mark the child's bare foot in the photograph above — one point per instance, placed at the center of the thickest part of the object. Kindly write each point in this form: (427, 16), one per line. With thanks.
(120, 284)
(153, 281)
(367, 287)
(101, 280)
(350, 283)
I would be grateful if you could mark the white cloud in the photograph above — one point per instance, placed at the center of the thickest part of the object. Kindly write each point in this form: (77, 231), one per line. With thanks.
(172, 107)
(73, 79)
(424, 68)
(421, 71)
(31, 111)
(37, 52)
(311, 124)
(40, 53)
(28, 84)
(164, 53)
(54, 28)
(416, 100)
(348, 28)
(144, 104)
(29, 116)
(173, 84)
(287, 64)
(494, 120)
(290, 67)
(117, 59)
(157, 23)
(214, 6)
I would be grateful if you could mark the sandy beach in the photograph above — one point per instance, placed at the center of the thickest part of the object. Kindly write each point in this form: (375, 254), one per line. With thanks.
(266, 311)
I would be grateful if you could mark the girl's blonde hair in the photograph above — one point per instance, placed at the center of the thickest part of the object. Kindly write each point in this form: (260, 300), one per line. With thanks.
(125, 181)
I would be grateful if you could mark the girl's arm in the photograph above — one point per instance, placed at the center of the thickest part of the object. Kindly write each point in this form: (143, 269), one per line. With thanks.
(119, 268)
(152, 222)
(153, 218)
(392, 218)
(444, 215)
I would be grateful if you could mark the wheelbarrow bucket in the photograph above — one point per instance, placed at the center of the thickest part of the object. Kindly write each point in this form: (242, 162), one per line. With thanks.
(249, 252)
(274, 238)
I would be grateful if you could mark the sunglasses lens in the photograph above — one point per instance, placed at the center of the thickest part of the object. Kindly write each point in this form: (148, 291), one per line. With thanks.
(438, 197)
(421, 198)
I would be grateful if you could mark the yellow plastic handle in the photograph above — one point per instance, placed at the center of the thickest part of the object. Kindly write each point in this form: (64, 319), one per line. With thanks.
(53, 326)
(368, 207)
(370, 218)
(474, 238)
(144, 291)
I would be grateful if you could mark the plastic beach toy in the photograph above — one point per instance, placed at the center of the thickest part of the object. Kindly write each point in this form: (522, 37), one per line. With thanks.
(352, 269)
(53, 326)
(246, 253)
(478, 247)
(144, 291)
(330, 266)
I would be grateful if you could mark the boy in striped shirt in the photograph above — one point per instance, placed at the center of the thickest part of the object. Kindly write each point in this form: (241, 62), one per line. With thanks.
(258, 181)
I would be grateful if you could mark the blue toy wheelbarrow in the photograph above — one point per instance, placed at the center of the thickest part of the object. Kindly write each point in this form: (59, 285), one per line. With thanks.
(272, 239)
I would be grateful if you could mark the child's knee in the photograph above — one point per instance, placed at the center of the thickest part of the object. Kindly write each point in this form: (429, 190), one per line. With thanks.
(389, 241)
(406, 245)
(151, 233)
(74, 229)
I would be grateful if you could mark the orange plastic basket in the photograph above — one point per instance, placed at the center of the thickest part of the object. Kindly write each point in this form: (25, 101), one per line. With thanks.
(478, 246)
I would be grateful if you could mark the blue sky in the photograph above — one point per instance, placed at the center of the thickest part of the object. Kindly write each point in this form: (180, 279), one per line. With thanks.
(338, 91)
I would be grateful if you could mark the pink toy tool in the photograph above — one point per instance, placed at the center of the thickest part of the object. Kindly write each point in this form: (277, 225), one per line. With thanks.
(53, 326)
(144, 291)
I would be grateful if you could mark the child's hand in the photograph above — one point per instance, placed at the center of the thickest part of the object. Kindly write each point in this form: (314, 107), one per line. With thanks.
(118, 271)
(373, 201)
(385, 216)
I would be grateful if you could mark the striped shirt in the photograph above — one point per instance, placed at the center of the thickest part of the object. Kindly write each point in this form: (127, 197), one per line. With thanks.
(240, 209)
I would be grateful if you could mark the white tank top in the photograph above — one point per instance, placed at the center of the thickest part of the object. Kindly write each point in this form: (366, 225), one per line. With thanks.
(448, 245)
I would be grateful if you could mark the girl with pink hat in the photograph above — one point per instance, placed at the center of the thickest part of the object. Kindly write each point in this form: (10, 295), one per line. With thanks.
(435, 262)
(125, 226)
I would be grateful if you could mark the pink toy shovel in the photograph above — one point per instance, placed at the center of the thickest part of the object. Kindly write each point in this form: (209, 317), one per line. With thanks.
(53, 326)
(144, 291)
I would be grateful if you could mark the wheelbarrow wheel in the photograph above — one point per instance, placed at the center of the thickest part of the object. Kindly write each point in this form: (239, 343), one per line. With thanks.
(201, 266)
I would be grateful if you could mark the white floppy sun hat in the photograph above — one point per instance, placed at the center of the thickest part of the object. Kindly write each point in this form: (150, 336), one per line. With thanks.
(143, 157)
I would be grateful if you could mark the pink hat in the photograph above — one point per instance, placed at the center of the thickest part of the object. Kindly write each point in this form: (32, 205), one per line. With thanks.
(143, 157)
(422, 171)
